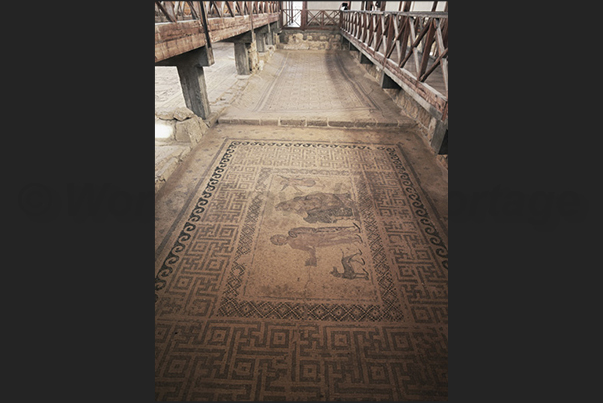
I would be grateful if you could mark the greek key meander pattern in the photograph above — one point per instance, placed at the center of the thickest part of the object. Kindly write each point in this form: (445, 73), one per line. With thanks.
(216, 342)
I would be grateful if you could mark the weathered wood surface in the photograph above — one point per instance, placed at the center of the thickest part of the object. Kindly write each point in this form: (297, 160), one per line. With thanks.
(172, 39)
(312, 19)
(420, 36)
(184, 30)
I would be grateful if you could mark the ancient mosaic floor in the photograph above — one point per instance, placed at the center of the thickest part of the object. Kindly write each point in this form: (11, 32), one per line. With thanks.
(314, 85)
(304, 270)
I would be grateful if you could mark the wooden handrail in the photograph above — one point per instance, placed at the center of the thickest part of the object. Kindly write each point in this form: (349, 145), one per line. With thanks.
(312, 19)
(181, 26)
(382, 32)
(430, 14)
(175, 11)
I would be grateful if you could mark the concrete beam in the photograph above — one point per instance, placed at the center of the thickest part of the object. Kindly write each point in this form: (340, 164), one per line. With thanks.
(262, 30)
(270, 35)
(263, 36)
(246, 37)
(275, 28)
(364, 59)
(241, 53)
(439, 140)
(444, 146)
(259, 41)
(345, 44)
(387, 82)
(203, 56)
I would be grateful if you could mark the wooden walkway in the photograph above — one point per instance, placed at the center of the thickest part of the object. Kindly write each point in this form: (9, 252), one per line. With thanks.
(411, 48)
(184, 26)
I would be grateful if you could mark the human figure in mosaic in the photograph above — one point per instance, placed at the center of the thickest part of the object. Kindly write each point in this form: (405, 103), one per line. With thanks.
(308, 239)
(321, 207)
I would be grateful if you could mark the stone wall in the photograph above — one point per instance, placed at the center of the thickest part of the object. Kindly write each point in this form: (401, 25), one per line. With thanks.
(427, 123)
(291, 39)
(182, 125)
(177, 131)
(254, 60)
(401, 98)
(265, 57)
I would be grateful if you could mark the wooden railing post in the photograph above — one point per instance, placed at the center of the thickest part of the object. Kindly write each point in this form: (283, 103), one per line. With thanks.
(427, 47)
(205, 26)
(371, 31)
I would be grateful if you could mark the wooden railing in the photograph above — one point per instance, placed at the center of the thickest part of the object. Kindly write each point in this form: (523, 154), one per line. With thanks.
(181, 26)
(311, 19)
(174, 11)
(394, 38)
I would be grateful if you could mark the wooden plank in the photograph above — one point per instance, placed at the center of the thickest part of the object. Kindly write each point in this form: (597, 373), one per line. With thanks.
(415, 42)
(405, 34)
(443, 51)
(429, 95)
(427, 47)
(422, 34)
(361, 26)
(378, 31)
(193, 10)
(392, 37)
(221, 29)
(217, 7)
(174, 39)
(395, 38)
(413, 48)
(229, 7)
(167, 8)
(389, 46)
(170, 32)
(433, 67)
(383, 26)
(371, 31)
(428, 14)
(445, 30)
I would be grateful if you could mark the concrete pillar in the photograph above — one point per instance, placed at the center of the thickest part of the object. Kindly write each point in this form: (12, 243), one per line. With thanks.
(259, 42)
(245, 52)
(438, 135)
(192, 78)
(270, 36)
(194, 89)
(274, 29)
(241, 51)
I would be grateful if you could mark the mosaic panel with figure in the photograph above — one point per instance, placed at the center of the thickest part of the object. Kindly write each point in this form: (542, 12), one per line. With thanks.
(304, 271)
